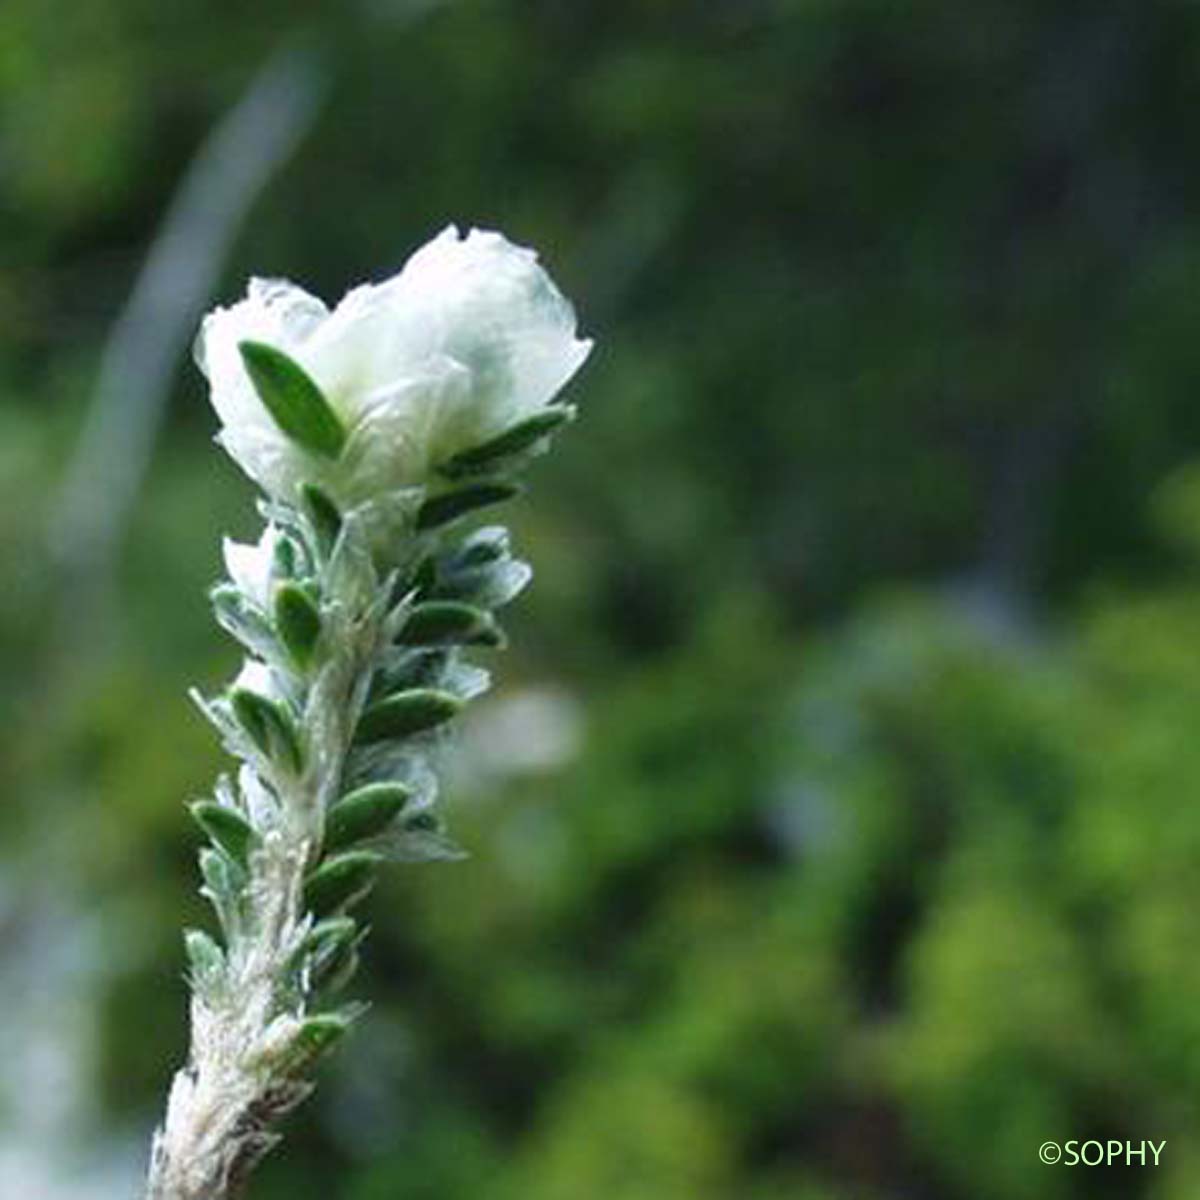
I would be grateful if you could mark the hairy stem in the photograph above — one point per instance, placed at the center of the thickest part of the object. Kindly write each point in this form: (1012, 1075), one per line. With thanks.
(335, 717)
(223, 1105)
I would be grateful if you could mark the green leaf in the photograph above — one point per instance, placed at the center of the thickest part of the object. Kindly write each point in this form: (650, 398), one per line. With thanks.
(417, 668)
(449, 506)
(332, 947)
(295, 402)
(514, 440)
(319, 1034)
(298, 620)
(205, 956)
(341, 881)
(228, 829)
(449, 622)
(222, 876)
(323, 517)
(223, 884)
(482, 548)
(425, 822)
(364, 813)
(269, 727)
(285, 558)
(237, 616)
(424, 577)
(325, 935)
(339, 969)
(407, 713)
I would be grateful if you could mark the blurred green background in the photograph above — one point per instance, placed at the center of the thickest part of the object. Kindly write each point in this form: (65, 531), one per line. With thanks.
(835, 828)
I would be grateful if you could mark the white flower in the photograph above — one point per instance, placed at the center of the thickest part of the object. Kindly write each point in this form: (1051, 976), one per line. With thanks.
(470, 338)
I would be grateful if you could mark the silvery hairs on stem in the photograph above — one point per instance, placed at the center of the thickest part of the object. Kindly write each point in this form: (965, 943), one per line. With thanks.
(373, 431)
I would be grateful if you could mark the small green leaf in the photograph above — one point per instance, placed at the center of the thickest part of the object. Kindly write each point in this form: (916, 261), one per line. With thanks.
(285, 558)
(332, 948)
(512, 441)
(327, 934)
(339, 969)
(364, 813)
(341, 881)
(418, 668)
(223, 883)
(449, 622)
(269, 727)
(407, 713)
(319, 1034)
(323, 517)
(298, 620)
(423, 822)
(423, 577)
(222, 877)
(237, 616)
(295, 402)
(228, 829)
(205, 956)
(482, 548)
(449, 506)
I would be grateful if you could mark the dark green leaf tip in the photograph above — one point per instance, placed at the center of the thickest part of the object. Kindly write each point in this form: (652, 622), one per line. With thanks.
(298, 621)
(285, 561)
(268, 727)
(406, 713)
(341, 881)
(425, 822)
(318, 1034)
(333, 931)
(449, 506)
(514, 440)
(323, 517)
(364, 813)
(483, 547)
(228, 829)
(296, 404)
(448, 622)
(332, 951)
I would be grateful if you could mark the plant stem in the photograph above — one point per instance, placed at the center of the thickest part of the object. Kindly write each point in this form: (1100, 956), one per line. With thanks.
(223, 1105)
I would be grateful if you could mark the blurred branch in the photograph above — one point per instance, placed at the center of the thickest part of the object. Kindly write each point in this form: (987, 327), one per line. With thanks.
(232, 167)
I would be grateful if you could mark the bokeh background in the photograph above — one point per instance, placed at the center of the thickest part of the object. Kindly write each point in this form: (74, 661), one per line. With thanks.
(836, 827)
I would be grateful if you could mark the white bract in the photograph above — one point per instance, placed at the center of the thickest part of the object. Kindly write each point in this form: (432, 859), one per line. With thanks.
(250, 567)
(468, 340)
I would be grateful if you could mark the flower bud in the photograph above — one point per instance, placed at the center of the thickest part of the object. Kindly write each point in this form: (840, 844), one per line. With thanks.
(450, 365)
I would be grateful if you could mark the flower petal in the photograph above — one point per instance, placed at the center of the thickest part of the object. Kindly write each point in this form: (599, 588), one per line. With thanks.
(470, 338)
(480, 301)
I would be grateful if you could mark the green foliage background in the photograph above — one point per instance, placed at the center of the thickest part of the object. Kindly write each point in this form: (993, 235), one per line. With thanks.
(872, 562)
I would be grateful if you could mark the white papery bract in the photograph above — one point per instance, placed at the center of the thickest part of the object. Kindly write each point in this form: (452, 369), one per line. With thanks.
(468, 340)
(250, 567)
